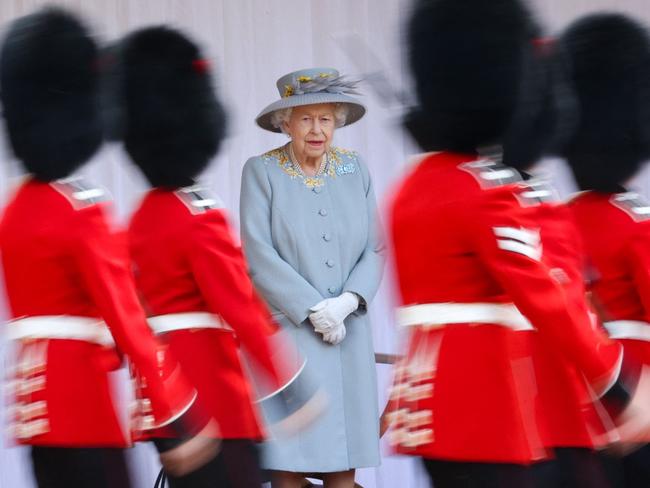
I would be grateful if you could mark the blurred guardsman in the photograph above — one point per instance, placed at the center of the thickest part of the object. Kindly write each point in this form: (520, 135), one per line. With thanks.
(68, 279)
(571, 423)
(609, 60)
(470, 258)
(190, 272)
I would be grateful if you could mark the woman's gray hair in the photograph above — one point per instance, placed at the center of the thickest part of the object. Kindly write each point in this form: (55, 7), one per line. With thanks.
(279, 117)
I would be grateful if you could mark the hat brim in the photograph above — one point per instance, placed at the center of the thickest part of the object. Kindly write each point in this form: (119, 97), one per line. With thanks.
(356, 108)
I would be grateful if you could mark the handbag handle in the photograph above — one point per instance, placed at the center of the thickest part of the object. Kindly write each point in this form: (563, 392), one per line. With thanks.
(161, 480)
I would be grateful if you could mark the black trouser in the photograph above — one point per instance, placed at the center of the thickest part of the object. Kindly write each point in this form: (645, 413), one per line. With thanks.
(636, 468)
(572, 468)
(62, 467)
(236, 466)
(631, 471)
(450, 474)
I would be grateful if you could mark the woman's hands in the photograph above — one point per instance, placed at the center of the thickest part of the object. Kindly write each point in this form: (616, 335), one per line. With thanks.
(329, 314)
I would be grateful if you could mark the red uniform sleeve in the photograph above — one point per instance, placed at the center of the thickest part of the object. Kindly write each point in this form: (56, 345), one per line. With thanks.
(104, 265)
(220, 270)
(506, 236)
(639, 262)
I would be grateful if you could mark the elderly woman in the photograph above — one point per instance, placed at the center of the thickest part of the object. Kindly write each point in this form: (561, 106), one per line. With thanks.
(310, 234)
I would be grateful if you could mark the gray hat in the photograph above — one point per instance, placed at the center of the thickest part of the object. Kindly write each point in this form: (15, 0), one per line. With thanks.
(309, 87)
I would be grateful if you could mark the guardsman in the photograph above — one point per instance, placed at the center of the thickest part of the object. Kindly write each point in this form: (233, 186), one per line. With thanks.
(190, 272)
(609, 60)
(68, 278)
(470, 260)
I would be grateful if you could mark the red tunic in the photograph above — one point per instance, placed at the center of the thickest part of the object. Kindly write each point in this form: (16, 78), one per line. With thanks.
(187, 261)
(61, 264)
(615, 229)
(567, 413)
(464, 233)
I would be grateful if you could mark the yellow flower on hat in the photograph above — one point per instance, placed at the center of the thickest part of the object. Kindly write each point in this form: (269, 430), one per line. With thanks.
(325, 75)
(304, 79)
(288, 91)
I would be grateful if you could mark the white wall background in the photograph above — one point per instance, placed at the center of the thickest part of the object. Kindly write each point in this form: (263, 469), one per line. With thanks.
(251, 43)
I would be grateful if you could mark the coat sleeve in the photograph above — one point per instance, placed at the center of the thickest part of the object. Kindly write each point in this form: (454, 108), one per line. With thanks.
(102, 260)
(278, 282)
(365, 277)
(220, 272)
(639, 263)
(507, 238)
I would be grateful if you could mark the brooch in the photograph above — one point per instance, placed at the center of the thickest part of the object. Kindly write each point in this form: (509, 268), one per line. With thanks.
(346, 169)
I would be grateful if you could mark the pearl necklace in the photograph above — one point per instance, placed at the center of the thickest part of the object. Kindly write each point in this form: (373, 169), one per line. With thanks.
(298, 168)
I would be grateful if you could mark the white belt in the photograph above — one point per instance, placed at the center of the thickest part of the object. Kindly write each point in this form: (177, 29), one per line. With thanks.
(86, 329)
(628, 329)
(441, 314)
(189, 320)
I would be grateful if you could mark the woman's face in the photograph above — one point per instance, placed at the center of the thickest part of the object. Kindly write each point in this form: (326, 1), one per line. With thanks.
(311, 128)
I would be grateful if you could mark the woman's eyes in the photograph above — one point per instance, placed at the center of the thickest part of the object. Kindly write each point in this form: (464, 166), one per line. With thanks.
(322, 119)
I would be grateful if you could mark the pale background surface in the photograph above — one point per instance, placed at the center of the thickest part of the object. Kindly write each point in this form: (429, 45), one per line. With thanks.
(251, 43)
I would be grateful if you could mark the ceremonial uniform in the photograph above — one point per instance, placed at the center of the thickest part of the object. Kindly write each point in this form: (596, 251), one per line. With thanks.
(194, 283)
(72, 300)
(567, 412)
(193, 280)
(572, 422)
(479, 296)
(615, 228)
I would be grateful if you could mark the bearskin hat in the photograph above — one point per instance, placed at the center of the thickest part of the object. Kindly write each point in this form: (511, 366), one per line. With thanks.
(608, 56)
(49, 93)
(546, 114)
(172, 123)
(470, 62)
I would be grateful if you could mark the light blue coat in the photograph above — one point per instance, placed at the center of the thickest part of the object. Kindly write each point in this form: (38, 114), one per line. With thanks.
(308, 239)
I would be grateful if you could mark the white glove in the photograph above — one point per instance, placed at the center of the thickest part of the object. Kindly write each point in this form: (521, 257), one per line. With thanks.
(335, 335)
(333, 311)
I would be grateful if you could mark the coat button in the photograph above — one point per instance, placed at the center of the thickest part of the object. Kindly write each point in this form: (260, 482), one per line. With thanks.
(330, 263)
(332, 290)
(322, 212)
(327, 237)
(317, 189)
